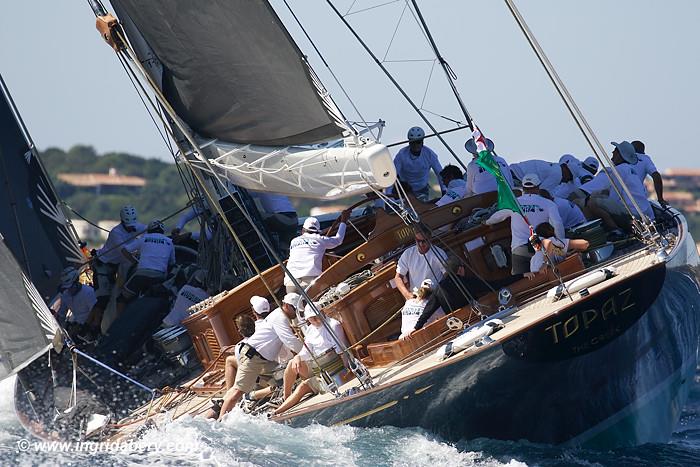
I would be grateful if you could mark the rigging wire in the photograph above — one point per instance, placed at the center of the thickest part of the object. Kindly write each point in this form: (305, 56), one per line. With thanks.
(451, 77)
(396, 84)
(579, 119)
(330, 70)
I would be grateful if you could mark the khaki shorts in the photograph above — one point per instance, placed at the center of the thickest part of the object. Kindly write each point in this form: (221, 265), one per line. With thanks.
(249, 369)
(303, 281)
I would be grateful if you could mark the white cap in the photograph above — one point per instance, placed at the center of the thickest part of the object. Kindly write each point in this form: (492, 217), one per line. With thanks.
(591, 164)
(312, 225)
(568, 159)
(427, 284)
(292, 298)
(260, 305)
(531, 181)
(309, 311)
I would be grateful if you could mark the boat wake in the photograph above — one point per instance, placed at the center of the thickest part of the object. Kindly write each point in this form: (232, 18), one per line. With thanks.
(246, 440)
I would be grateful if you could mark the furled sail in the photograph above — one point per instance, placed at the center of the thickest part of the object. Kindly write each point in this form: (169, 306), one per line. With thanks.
(27, 327)
(233, 74)
(32, 221)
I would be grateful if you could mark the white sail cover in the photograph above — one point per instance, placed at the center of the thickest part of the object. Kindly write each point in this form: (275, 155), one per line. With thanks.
(27, 327)
(306, 172)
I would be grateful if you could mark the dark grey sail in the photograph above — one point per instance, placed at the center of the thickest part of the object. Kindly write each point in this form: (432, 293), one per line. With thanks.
(31, 219)
(231, 71)
(27, 327)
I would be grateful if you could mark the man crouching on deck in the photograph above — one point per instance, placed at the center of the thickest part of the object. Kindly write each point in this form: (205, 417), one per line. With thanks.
(259, 353)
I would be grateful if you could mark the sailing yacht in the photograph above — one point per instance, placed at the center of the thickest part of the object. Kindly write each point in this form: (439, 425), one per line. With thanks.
(598, 352)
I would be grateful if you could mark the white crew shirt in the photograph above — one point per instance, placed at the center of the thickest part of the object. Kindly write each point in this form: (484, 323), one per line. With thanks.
(480, 181)
(456, 190)
(631, 178)
(410, 313)
(557, 256)
(273, 335)
(318, 339)
(538, 210)
(118, 238)
(306, 252)
(80, 304)
(548, 172)
(419, 267)
(571, 215)
(644, 166)
(415, 170)
(156, 252)
(187, 296)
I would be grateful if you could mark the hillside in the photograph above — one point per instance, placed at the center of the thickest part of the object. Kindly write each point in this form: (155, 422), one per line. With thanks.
(163, 194)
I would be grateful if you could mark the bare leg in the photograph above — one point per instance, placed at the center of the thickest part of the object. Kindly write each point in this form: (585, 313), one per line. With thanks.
(230, 369)
(231, 398)
(261, 393)
(291, 373)
(289, 402)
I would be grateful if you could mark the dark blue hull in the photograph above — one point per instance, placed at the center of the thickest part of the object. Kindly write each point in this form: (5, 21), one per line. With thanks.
(613, 370)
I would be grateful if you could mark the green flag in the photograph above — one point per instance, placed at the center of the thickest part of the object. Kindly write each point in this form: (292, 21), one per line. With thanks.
(485, 160)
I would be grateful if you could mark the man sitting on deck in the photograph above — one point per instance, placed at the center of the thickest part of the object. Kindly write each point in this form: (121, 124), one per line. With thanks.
(417, 263)
(259, 353)
(538, 210)
(318, 342)
(306, 251)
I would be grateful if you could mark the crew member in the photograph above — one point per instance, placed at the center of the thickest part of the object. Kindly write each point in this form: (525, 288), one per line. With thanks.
(478, 179)
(279, 217)
(318, 341)
(156, 256)
(571, 215)
(261, 309)
(413, 164)
(259, 353)
(189, 294)
(451, 294)
(644, 167)
(79, 299)
(538, 210)
(109, 259)
(417, 263)
(453, 179)
(599, 198)
(555, 248)
(550, 174)
(306, 251)
(414, 306)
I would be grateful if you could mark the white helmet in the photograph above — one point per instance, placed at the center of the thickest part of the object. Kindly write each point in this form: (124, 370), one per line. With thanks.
(69, 276)
(416, 133)
(128, 215)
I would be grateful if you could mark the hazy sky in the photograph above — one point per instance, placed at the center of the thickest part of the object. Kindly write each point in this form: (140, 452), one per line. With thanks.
(631, 65)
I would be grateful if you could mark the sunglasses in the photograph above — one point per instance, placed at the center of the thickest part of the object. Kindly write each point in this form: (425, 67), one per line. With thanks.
(421, 241)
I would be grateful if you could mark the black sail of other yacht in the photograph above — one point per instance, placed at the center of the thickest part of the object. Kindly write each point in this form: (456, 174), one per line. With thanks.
(31, 219)
(231, 71)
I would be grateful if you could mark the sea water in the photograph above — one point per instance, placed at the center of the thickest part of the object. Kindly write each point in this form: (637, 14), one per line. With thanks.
(247, 440)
